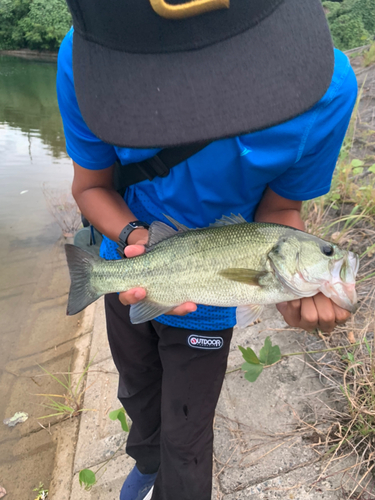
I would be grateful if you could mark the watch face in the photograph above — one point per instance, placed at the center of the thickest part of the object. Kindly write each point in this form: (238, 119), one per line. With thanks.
(124, 235)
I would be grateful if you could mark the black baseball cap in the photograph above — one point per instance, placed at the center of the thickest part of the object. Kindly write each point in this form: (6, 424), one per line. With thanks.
(158, 73)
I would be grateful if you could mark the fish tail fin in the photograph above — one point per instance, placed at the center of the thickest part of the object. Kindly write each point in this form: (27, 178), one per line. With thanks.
(81, 293)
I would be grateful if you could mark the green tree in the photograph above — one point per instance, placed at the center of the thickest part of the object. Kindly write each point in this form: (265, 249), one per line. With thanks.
(34, 24)
(348, 32)
(352, 22)
(11, 11)
(46, 24)
(365, 9)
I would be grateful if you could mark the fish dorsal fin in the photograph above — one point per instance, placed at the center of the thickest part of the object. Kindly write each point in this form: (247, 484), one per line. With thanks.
(245, 315)
(181, 227)
(247, 276)
(158, 232)
(146, 311)
(228, 221)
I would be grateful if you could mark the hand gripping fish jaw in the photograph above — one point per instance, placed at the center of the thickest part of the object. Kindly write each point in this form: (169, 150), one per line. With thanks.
(308, 265)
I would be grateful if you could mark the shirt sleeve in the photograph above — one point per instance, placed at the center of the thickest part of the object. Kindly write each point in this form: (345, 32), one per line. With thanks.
(81, 144)
(312, 172)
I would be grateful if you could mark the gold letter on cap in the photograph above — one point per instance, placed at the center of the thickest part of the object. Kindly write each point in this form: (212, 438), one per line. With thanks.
(188, 9)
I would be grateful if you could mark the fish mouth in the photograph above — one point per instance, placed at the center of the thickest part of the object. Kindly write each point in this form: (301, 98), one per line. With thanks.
(341, 288)
(342, 294)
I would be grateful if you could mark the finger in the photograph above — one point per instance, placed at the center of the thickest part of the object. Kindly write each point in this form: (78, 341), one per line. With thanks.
(309, 314)
(326, 313)
(134, 250)
(291, 311)
(342, 315)
(183, 309)
(132, 296)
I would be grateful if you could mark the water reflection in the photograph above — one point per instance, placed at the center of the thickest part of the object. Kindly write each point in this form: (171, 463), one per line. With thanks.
(33, 275)
(28, 101)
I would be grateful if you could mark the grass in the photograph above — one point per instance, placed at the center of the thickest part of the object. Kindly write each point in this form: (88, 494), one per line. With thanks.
(42, 492)
(64, 210)
(346, 216)
(70, 403)
(369, 56)
(348, 428)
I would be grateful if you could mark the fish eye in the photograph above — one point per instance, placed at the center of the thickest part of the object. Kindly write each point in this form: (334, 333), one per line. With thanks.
(327, 250)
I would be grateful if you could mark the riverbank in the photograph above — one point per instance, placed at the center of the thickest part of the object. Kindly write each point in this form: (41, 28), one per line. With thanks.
(32, 55)
(265, 441)
(36, 333)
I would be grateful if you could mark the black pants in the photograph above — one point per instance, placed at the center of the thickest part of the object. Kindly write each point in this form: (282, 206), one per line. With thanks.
(170, 381)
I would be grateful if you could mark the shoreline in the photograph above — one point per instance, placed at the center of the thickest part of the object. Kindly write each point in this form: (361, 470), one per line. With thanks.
(34, 55)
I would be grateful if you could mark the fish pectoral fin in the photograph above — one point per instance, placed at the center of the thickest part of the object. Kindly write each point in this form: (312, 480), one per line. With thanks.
(248, 276)
(246, 315)
(146, 310)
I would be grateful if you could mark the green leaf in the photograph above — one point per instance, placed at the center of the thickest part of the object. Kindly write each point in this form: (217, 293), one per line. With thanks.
(252, 371)
(121, 416)
(269, 354)
(357, 170)
(249, 355)
(357, 163)
(335, 196)
(372, 168)
(87, 478)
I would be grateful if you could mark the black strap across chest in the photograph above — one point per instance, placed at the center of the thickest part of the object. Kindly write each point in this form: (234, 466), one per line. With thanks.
(157, 166)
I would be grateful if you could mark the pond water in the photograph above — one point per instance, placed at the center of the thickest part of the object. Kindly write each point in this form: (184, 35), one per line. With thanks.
(32, 149)
(32, 158)
(32, 267)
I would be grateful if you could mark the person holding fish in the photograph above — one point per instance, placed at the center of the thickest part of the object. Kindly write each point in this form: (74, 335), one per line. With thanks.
(219, 117)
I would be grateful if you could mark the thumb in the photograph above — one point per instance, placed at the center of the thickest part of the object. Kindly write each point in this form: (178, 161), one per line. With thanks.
(282, 307)
(134, 250)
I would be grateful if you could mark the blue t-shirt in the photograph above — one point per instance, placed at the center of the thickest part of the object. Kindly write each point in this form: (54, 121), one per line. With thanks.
(295, 159)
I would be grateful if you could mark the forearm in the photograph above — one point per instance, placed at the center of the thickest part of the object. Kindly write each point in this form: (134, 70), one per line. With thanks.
(102, 205)
(279, 210)
(287, 217)
(105, 209)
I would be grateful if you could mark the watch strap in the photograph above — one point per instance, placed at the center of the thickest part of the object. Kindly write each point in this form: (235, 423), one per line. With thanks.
(124, 235)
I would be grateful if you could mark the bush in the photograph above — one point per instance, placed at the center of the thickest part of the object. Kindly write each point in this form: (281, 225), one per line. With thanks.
(365, 10)
(33, 24)
(10, 12)
(349, 32)
(352, 22)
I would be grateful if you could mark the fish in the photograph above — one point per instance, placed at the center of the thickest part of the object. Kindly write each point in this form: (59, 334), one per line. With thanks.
(231, 263)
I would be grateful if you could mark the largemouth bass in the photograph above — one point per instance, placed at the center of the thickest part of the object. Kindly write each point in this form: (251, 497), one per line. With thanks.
(231, 263)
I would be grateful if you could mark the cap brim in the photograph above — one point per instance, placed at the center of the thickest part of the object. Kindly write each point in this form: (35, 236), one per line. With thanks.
(252, 81)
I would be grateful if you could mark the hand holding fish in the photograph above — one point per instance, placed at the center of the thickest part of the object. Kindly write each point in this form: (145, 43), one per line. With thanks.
(135, 295)
(310, 313)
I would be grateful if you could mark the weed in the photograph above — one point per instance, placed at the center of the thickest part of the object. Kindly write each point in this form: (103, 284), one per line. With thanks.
(64, 210)
(87, 477)
(71, 406)
(369, 56)
(353, 187)
(42, 492)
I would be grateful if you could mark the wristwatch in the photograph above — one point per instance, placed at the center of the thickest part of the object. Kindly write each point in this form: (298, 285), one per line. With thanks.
(124, 235)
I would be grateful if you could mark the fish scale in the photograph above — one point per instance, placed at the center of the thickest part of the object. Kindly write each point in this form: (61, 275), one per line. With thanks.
(186, 267)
